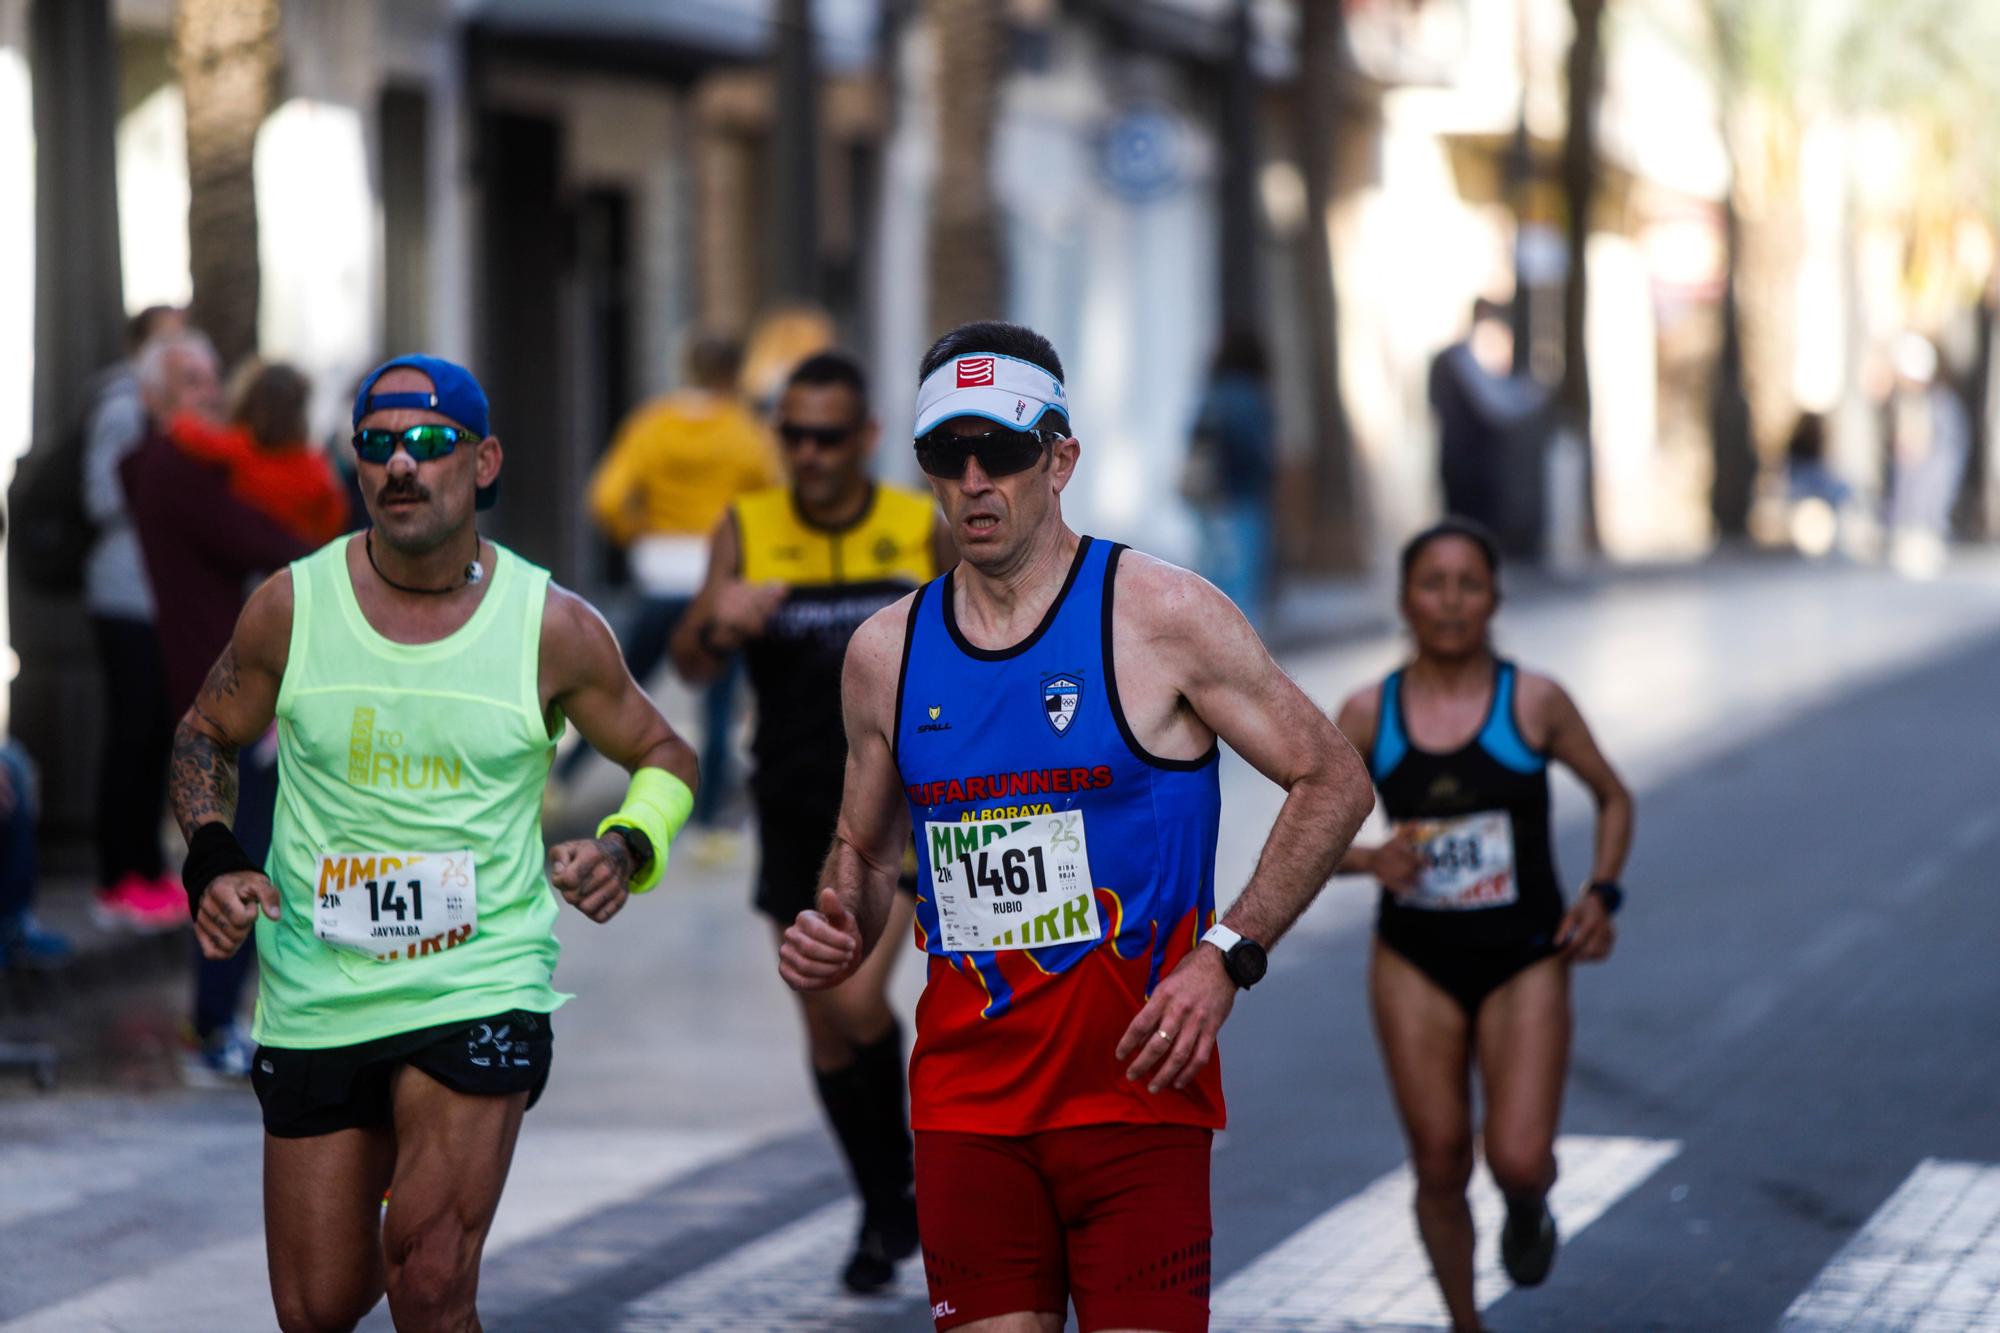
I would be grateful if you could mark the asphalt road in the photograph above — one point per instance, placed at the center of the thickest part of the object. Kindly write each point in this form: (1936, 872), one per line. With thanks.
(1782, 1112)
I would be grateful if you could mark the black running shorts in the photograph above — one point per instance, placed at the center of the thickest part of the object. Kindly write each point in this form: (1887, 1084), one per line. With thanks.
(306, 1093)
(793, 838)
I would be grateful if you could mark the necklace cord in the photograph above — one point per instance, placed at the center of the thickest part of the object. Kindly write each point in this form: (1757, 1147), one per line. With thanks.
(474, 571)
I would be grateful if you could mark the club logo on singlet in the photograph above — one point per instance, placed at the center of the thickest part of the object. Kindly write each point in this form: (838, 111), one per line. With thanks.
(377, 757)
(1060, 694)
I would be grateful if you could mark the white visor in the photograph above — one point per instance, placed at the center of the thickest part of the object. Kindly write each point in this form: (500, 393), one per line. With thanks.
(1003, 389)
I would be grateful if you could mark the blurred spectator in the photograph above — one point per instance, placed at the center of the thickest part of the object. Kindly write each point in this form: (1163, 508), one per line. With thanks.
(208, 527)
(1489, 421)
(780, 341)
(175, 372)
(673, 469)
(1819, 497)
(1231, 465)
(264, 449)
(1929, 438)
(1807, 475)
(24, 941)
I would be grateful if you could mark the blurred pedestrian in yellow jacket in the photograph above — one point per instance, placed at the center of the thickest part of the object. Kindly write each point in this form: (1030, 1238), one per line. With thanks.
(679, 460)
(671, 472)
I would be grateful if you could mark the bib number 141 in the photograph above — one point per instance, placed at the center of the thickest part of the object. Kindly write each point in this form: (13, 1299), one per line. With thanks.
(384, 899)
(396, 904)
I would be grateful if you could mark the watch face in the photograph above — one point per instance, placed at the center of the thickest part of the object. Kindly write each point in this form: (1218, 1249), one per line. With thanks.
(1246, 964)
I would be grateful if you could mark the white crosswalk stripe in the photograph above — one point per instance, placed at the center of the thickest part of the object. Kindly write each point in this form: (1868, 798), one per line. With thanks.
(1928, 1261)
(784, 1281)
(558, 1177)
(1360, 1266)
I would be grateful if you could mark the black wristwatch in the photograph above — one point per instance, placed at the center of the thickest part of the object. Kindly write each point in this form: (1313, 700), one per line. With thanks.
(1612, 896)
(637, 843)
(1242, 959)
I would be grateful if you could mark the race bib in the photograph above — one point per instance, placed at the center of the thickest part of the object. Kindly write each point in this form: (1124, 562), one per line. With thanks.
(1012, 883)
(396, 904)
(1468, 862)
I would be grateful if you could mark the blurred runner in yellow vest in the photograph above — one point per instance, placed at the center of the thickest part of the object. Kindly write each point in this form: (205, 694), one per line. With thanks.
(792, 572)
(671, 471)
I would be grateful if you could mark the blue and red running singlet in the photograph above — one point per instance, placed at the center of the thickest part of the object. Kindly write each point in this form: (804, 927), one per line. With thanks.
(1063, 869)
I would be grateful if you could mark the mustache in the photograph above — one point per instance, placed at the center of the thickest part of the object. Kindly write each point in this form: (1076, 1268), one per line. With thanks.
(402, 491)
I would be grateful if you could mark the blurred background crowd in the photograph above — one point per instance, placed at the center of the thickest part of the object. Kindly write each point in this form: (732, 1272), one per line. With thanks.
(1627, 280)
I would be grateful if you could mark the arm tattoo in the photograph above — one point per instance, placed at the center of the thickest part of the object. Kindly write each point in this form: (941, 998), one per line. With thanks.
(202, 777)
(619, 853)
(224, 679)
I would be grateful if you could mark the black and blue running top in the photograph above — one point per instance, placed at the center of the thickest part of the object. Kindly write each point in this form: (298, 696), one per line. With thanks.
(1485, 888)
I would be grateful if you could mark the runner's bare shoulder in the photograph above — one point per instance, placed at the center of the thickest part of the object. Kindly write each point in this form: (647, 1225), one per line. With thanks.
(577, 645)
(1360, 713)
(264, 628)
(875, 653)
(1162, 596)
(1540, 706)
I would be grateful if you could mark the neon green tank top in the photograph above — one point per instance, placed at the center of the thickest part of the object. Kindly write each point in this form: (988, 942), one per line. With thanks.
(410, 780)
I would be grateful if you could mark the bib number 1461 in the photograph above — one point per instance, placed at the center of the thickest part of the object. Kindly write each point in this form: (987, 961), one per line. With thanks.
(1012, 883)
(1008, 872)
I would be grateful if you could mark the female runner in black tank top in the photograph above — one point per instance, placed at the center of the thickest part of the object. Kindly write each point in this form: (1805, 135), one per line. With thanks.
(1473, 945)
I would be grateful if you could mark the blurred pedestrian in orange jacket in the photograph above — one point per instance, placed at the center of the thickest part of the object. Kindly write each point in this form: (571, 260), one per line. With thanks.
(264, 449)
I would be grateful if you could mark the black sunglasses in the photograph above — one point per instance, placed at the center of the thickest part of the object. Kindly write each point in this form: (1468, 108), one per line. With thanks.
(1001, 453)
(423, 442)
(795, 436)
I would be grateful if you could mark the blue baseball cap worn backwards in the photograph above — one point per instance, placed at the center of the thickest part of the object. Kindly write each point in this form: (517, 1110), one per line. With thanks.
(455, 393)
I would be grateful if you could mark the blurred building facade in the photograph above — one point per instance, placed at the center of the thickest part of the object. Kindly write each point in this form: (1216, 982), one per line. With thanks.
(562, 192)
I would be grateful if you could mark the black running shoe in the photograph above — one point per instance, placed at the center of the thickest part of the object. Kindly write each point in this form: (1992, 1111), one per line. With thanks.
(1528, 1245)
(887, 1236)
(869, 1268)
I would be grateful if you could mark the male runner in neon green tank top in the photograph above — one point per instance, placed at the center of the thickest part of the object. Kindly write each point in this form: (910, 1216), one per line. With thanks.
(419, 677)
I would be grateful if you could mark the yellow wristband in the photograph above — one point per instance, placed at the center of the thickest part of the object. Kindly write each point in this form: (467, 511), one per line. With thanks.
(657, 804)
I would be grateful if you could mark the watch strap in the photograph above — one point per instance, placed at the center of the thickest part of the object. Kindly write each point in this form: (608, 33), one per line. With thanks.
(637, 843)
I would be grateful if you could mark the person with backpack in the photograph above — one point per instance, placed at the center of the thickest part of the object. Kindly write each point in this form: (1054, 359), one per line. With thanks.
(170, 370)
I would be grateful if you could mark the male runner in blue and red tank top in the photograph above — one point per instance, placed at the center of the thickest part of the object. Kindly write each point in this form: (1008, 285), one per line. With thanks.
(1045, 719)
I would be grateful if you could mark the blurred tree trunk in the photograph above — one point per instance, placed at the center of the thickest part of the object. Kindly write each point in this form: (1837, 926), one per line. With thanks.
(1735, 460)
(794, 159)
(1973, 518)
(1336, 539)
(79, 298)
(1579, 175)
(964, 253)
(228, 54)
(55, 709)
(1242, 297)
(1766, 282)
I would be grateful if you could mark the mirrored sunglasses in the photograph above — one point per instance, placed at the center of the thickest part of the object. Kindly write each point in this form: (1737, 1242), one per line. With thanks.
(423, 443)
